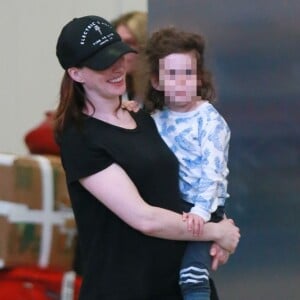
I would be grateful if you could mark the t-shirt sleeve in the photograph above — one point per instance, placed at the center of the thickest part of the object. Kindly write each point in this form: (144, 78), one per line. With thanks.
(80, 158)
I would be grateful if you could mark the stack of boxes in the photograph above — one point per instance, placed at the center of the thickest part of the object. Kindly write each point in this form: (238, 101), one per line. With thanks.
(36, 219)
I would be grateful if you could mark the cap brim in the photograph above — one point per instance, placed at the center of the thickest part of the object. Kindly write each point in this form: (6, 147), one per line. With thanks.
(107, 56)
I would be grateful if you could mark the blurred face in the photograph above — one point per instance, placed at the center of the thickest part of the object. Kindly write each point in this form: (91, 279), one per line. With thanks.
(178, 78)
(128, 38)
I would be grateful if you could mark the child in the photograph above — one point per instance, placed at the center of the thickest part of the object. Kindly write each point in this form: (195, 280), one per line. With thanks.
(179, 94)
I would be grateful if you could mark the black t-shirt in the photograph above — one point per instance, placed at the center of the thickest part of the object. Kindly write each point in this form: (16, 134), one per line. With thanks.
(120, 263)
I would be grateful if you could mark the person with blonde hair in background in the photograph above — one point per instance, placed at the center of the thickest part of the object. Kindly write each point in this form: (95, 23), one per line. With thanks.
(132, 28)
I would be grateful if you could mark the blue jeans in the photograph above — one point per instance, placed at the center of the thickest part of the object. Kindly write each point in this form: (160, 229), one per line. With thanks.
(197, 296)
(194, 272)
(194, 279)
(200, 296)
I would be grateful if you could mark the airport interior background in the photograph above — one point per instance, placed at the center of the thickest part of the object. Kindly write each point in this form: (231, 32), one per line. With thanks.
(253, 53)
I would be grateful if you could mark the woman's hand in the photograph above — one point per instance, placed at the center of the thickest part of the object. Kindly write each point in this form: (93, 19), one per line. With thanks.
(229, 235)
(219, 255)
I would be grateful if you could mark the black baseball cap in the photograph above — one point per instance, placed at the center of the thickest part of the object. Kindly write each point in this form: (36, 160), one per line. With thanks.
(89, 41)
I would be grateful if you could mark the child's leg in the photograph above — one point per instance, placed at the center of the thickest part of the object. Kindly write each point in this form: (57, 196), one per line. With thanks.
(194, 273)
(213, 290)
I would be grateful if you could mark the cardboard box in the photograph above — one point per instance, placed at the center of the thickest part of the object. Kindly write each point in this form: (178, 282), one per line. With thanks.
(36, 219)
(37, 178)
(7, 191)
(35, 237)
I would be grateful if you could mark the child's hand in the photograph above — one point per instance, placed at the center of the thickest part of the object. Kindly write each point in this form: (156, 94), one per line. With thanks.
(130, 105)
(194, 223)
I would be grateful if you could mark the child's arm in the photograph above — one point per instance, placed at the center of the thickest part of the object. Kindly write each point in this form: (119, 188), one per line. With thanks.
(212, 186)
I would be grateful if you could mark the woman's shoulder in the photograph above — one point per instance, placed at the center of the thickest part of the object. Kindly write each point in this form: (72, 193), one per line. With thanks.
(142, 114)
(72, 134)
(144, 120)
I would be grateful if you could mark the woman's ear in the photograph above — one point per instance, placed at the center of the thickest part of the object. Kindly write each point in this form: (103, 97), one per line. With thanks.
(75, 74)
(155, 83)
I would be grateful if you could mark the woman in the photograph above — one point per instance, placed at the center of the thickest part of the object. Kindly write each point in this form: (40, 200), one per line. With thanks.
(122, 178)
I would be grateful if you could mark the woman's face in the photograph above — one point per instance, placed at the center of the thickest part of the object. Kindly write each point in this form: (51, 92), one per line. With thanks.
(178, 77)
(128, 38)
(107, 83)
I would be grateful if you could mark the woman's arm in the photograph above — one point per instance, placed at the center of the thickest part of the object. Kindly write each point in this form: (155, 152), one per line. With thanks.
(116, 191)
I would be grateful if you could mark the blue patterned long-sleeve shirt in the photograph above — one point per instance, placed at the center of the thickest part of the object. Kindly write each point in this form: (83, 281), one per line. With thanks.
(200, 140)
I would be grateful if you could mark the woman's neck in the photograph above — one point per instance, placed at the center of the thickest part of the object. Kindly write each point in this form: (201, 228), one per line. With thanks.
(96, 105)
(110, 111)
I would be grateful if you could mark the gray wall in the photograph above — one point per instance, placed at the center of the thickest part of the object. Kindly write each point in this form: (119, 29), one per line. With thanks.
(253, 51)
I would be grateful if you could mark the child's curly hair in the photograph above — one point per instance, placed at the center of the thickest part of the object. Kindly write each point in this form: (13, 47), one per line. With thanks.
(171, 40)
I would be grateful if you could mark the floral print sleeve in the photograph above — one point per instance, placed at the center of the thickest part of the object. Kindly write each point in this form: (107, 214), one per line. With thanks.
(210, 189)
(200, 141)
